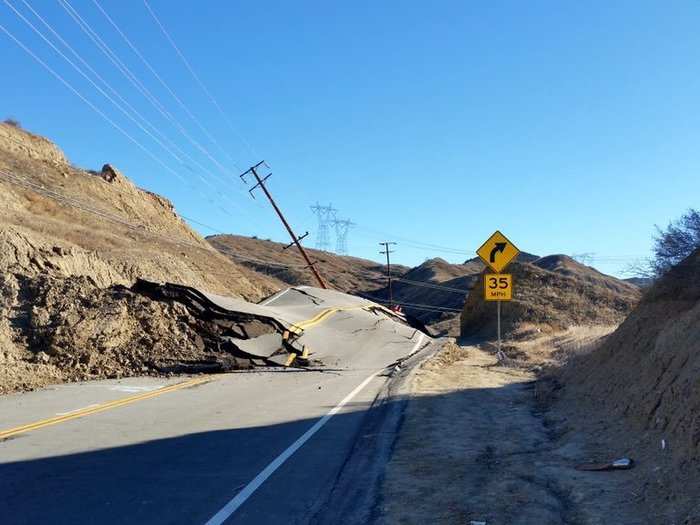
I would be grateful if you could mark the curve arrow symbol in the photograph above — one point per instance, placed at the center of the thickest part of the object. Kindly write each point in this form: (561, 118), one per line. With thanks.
(500, 246)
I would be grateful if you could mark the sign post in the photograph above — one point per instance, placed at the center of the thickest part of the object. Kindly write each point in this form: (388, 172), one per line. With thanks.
(498, 252)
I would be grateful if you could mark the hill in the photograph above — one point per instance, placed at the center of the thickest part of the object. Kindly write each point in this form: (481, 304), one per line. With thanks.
(435, 291)
(60, 219)
(287, 267)
(637, 392)
(551, 293)
(69, 239)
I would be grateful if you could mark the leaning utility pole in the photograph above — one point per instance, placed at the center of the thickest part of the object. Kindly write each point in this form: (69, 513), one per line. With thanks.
(295, 240)
(387, 251)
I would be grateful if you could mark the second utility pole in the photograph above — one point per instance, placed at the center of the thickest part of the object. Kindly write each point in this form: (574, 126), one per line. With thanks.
(387, 251)
(295, 239)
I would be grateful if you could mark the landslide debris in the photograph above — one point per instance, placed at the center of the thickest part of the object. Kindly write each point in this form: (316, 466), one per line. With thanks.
(551, 294)
(72, 244)
(69, 329)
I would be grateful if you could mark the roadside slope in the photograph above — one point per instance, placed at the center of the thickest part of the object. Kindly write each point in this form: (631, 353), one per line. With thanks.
(71, 240)
(60, 219)
(635, 394)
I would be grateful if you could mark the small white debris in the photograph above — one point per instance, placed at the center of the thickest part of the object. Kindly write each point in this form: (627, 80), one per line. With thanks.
(477, 522)
(663, 444)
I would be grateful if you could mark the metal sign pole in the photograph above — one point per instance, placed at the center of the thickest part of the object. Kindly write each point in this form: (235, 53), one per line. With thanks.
(499, 354)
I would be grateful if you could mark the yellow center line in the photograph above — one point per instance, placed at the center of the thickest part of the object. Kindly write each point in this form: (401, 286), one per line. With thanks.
(318, 318)
(99, 408)
(94, 409)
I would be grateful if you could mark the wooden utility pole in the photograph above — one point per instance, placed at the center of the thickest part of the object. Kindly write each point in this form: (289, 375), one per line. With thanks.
(295, 240)
(387, 251)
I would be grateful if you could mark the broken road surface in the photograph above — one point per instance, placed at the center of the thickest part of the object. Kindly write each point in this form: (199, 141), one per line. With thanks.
(260, 446)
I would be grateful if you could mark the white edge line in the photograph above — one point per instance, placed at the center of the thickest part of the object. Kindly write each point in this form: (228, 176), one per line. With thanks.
(276, 296)
(76, 410)
(247, 491)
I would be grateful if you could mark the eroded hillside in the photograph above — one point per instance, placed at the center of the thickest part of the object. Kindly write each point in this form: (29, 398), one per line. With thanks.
(71, 240)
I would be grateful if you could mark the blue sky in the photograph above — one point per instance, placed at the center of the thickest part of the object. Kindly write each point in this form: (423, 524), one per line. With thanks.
(570, 126)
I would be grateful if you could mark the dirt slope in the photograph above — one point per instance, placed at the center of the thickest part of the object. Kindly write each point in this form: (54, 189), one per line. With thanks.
(44, 203)
(636, 394)
(69, 238)
(344, 273)
(552, 293)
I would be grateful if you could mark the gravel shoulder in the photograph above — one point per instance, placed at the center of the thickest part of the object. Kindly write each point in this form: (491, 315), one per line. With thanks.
(474, 446)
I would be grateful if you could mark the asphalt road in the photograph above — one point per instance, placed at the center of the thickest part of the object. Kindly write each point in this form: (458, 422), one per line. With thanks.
(248, 447)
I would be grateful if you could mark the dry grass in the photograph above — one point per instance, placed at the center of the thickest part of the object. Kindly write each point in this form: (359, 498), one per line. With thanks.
(552, 300)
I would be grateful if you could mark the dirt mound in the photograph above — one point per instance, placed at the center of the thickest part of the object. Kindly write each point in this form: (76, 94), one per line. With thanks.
(550, 294)
(647, 371)
(287, 267)
(70, 241)
(67, 329)
(15, 140)
(636, 393)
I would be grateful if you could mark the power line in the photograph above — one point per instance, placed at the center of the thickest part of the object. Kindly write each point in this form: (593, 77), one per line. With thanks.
(426, 307)
(103, 93)
(260, 183)
(198, 80)
(432, 285)
(137, 227)
(90, 104)
(126, 72)
(325, 216)
(164, 84)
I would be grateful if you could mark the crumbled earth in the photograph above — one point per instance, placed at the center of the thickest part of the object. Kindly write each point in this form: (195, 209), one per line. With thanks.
(68, 329)
(72, 242)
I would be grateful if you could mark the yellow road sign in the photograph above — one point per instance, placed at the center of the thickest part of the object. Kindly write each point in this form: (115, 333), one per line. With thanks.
(497, 252)
(498, 286)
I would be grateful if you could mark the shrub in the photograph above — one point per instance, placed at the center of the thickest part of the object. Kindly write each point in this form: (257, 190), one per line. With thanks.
(673, 244)
(12, 122)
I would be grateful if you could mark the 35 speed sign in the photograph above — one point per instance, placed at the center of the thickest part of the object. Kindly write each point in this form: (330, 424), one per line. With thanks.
(498, 286)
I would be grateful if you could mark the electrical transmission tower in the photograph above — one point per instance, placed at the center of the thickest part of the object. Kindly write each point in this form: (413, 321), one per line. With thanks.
(342, 227)
(325, 216)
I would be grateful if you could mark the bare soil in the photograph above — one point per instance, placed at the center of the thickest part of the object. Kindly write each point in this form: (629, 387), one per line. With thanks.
(636, 392)
(475, 447)
(71, 240)
(68, 329)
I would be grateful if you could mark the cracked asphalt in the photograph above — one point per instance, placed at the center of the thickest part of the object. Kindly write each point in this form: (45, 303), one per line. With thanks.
(245, 447)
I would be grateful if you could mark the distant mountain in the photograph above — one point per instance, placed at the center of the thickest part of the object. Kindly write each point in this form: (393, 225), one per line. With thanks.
(288, 268)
